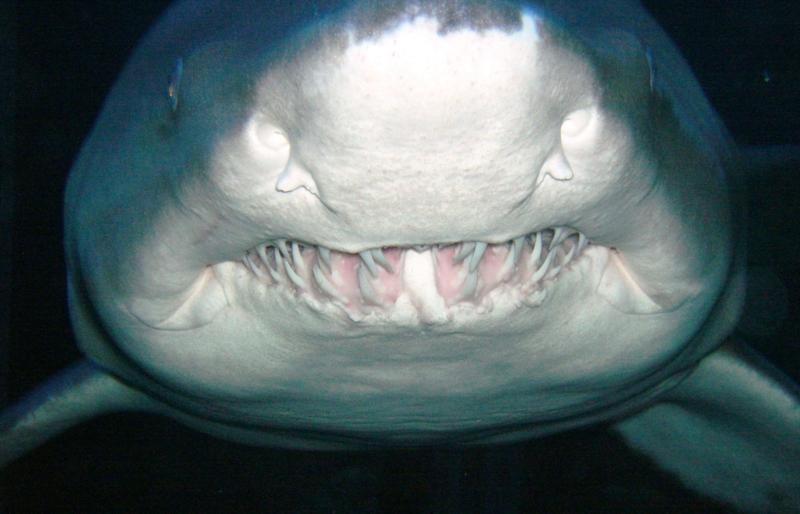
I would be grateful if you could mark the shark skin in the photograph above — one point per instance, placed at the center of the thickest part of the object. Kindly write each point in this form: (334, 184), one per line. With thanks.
(717, 298)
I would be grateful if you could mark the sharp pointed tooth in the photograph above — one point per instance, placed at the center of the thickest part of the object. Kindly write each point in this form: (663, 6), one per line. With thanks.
(559, 235)
(537, 251)
(555, 269)
(257, 270)
(516, 248)
(297, 258)
(469, 286)
(274, 273)
(582, 241)
(463, 252)
(278, 259)
(252, 266)
(293, 276)
(262, 253)
(477, 255)
(512, 257)
(541, 271)
(570, 255)
(380, 258)
(282, 246)
(325, 284)
(367, 291)
(366, 258)
(325, 254)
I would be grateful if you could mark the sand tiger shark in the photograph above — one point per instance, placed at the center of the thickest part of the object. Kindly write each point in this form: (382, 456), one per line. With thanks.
(413, 223)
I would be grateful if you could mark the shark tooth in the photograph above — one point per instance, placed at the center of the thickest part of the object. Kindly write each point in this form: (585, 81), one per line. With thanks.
(469, 286)
(545, 265)
(364, 285)
(369, 262)
(324, 284)
(325, 255)
(293, 276)
(537, 251)
(380, 258)
(477, 255)
(297, 258)
(464, 251)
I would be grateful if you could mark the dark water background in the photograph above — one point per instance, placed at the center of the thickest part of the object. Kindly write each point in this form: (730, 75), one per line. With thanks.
(68, 53)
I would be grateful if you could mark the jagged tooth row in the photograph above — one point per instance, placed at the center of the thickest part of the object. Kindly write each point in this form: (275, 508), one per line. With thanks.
(551, 250)
(555, 247)
(288, 256)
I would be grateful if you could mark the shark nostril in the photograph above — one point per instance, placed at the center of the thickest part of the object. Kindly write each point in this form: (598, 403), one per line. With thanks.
(293, 177)
(574, 131)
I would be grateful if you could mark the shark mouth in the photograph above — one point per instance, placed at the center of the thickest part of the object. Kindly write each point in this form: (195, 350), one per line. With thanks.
(450, 274)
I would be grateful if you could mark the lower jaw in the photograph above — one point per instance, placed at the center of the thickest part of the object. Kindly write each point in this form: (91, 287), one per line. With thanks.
(427, 283)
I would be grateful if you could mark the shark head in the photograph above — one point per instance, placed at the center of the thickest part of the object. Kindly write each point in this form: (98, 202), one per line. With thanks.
(402, 219)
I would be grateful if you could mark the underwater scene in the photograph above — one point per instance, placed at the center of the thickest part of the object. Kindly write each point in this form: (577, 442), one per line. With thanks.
(58, 67)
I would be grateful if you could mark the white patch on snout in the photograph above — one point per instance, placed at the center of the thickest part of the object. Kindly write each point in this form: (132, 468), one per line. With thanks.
(414, 73)
(417, 122)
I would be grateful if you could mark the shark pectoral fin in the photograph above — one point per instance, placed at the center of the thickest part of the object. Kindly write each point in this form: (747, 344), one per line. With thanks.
(74, 395)
(731, 431)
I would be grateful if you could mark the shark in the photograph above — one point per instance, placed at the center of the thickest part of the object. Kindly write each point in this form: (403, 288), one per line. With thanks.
(407, 223)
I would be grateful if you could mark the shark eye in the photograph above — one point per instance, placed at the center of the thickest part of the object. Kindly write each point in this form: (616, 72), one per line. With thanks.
(175, 84)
